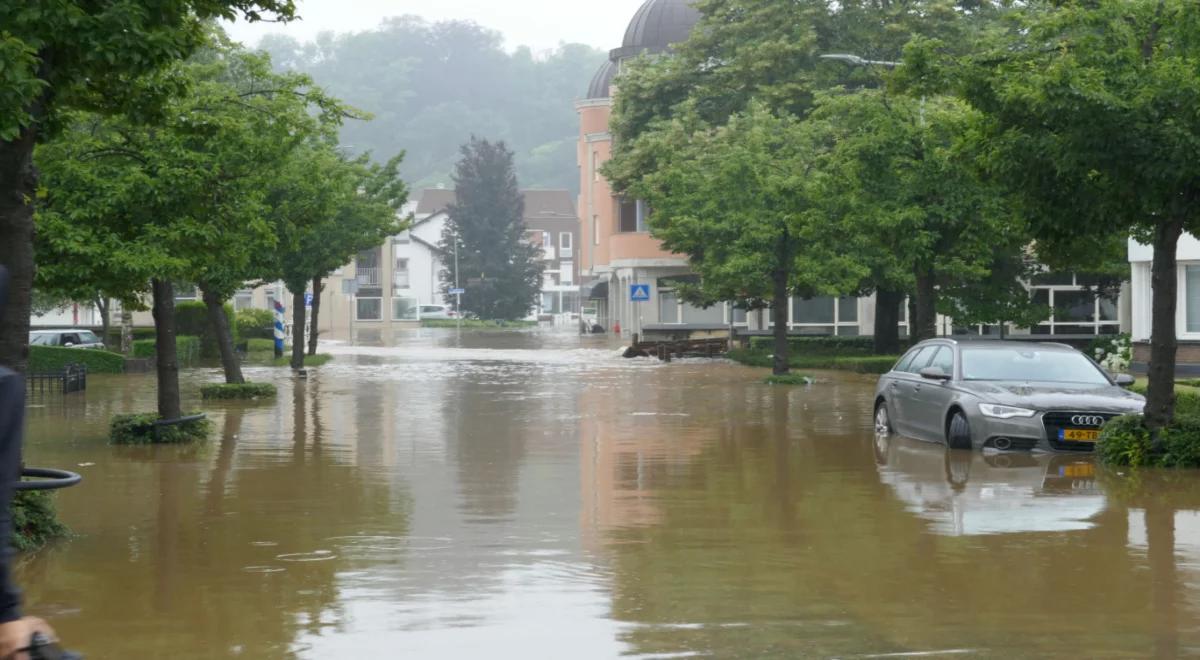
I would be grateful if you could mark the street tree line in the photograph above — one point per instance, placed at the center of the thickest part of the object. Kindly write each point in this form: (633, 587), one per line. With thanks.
(202, 165)
(981, 141)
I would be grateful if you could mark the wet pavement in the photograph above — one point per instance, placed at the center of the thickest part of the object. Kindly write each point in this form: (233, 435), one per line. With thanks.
(532, 495)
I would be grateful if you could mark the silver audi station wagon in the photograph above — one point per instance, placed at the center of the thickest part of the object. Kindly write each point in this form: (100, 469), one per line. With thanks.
(1001, 395)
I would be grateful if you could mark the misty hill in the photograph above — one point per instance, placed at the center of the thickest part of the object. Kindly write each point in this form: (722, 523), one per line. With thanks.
(431, 85)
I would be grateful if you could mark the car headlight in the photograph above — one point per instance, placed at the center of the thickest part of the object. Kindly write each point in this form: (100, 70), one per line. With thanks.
(1004, 412)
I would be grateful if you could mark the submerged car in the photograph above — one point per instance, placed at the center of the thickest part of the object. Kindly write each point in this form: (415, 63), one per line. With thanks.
(70, 338)
(438, 312)
(1002, 395)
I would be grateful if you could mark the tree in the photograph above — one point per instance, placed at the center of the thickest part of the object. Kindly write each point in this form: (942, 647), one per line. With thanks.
(742, 202)
(1089, 119)
(914, 210)
(325, 209)
(499, 269)
(61, 55)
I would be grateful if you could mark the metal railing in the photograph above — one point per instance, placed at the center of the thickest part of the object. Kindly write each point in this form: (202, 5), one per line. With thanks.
(367, 277)
(72, 378)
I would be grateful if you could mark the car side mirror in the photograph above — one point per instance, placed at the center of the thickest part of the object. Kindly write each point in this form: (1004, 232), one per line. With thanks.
(934, 373)
(1125, 380)
(68, 344)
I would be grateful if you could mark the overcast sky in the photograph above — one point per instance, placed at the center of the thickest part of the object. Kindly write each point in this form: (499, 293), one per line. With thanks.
(539, 24)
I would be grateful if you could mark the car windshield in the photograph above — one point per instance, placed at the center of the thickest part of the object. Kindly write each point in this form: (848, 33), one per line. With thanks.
(88, 337)
(1030, 364)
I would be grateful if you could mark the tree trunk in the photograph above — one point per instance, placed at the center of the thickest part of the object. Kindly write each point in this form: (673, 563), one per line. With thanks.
(126, 330)
(167, 357)
(923, 325)
(313, 333)
(18, 187)
(1160, 396)
(779, 310)
(887, 321)
(103, 305)
(298, 328)
(221, 330)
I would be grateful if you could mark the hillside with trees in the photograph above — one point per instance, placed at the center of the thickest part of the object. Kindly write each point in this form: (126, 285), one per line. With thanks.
(430, 86)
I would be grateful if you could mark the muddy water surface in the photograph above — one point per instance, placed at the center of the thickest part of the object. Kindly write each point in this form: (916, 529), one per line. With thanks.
(530, 495)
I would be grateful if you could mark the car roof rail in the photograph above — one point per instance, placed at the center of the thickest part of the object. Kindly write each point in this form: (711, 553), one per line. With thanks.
(1058, 344)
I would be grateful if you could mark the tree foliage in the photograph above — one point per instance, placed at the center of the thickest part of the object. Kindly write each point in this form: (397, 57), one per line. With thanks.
(431, 85)
(500, 270)
(1089, 116)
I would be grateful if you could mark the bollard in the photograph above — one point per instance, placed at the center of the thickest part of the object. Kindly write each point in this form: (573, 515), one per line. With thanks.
(280, 319)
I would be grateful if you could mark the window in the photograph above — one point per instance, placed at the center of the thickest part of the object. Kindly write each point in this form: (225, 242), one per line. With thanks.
(400, 274)
(564, 241)
(243, 299)
(1192, 297)
(595, 230)
(944, 360)
(738, 315)
(186, 292)
(920, 360)
(906, 361)
(668, 307)
(595, 166)
(403, 239)
(714, 315)
(627, 215)
(369, 309)
(566, 275)
(1073, 309)
(825, 316)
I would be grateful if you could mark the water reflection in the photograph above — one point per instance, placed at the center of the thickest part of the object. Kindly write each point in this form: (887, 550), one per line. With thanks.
(964, 492)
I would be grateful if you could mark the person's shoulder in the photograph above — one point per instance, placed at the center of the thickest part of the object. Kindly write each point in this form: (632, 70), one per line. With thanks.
(8, 376)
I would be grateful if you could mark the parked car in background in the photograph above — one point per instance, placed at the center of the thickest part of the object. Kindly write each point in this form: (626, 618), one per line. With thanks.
(438, 312)
(1001, 395)
(70, 338)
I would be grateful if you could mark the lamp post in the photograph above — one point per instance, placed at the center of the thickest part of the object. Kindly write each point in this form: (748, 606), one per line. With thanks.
(856, 60)
(457, 290)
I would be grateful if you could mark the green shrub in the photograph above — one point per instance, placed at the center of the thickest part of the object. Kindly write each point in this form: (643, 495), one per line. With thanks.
(1181, 443)
(819, 345)
(256, 324)
(188, 348)
(236, 391)
(309, 360)
(191, 320)
(49, 359)
(35, 520)
(260, 345)
(788, 379)
(1124, 441)
(138, 429)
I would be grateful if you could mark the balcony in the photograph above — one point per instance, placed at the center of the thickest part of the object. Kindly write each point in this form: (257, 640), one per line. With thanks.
(637, 245)
(367, 277)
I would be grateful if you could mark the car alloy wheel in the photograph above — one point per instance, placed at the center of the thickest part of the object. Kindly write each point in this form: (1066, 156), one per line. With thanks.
(958, 434)
(883, 423)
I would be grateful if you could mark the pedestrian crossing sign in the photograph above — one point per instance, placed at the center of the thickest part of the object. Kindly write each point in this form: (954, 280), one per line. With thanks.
(639, 292)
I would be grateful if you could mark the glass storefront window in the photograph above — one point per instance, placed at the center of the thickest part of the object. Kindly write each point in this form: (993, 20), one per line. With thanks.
(1074, 306)
(405, 309)
(847, 310)
(815, 310)
(668, 307)
(1192, 297)
(369, 309)
(714, 315)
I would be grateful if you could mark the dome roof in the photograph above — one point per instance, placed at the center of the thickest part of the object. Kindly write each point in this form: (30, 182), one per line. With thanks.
(602, 81)
(656, 26)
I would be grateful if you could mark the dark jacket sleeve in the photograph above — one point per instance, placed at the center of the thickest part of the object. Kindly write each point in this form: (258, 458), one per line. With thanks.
(12, 428)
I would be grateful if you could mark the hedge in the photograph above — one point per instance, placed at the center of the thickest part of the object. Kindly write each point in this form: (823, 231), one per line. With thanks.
(1126, 441)
(50, 359)
(188, 348)
(788, 379)
(35, 520)
(866, 364)
(114, 334)
(819, 345)
(256, 324)
(237, 391)
(138, 429)
(191, 320)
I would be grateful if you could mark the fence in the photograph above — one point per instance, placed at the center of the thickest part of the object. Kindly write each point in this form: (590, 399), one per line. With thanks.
(72, 378)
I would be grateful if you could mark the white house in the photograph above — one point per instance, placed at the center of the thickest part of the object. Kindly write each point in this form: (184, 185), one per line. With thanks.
(416, 259)
(1187, 315)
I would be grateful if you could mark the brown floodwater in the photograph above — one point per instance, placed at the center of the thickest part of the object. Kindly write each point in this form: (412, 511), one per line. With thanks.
(531, 495)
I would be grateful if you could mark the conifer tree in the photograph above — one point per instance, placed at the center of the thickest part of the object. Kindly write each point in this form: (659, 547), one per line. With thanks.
(499, 269)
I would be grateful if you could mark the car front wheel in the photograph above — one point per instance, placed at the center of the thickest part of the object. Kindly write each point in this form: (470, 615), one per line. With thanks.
(883, 423)
(958, 432)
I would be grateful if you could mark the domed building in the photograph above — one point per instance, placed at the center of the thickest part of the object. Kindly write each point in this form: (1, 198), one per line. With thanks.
(617, 250)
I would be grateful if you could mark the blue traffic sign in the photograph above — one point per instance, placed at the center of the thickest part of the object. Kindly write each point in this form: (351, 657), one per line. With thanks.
(639, 292)
(308, 299)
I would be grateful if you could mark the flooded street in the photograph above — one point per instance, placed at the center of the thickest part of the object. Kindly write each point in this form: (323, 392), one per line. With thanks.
(532, 495)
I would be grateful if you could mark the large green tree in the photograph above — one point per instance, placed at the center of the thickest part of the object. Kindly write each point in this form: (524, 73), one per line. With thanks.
(742, 201)
(60, 55)
(498, 267)
(326, 208)
(1089, 117)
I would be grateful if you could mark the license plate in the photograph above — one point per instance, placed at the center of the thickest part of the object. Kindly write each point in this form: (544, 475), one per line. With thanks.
(1079, 435)
(1077, 471)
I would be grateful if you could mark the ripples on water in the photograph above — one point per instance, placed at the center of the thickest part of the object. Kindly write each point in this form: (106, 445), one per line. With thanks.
(530, 495)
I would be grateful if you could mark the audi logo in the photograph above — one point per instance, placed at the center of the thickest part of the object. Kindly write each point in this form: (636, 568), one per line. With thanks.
(1087, 420)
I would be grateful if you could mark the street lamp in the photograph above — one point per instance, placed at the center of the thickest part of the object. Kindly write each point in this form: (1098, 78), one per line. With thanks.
(855, 60)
